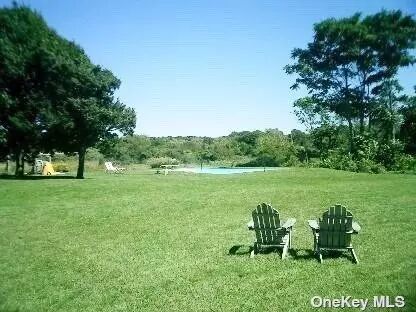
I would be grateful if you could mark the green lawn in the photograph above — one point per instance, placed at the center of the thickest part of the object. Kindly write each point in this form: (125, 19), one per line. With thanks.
(146, 242)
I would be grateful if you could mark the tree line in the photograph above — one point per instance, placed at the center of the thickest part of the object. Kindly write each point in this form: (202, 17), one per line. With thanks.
(52, 97)
(350, 71)
(355, 114)
(325, 146)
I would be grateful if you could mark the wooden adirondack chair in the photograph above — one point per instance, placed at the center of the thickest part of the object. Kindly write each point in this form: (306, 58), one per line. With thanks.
(334, 230)
(269, 229)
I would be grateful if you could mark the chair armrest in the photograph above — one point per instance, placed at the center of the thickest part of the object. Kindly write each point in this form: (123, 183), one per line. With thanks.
(289, 223)
(356, 227)
(250, 225)
(313, 225)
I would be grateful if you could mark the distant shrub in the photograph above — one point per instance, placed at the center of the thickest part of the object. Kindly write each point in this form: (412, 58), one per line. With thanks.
(93, 154)
(60, 167)
(292, 161)
(156, 162)
(350, 165)
(61, 157)
(364, 165)
(339, 161)
(389, 154)
(378, 168)
(405, 163)
(369, 166)
(312, 163)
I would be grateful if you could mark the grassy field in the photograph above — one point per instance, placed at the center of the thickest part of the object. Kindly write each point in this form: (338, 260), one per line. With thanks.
(146, 242)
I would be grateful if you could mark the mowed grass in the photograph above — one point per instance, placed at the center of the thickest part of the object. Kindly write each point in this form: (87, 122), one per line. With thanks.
(145, 242)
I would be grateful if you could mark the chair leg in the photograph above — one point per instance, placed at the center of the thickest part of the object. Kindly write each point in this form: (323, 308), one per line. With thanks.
(315, 242)
(284, 252)
(354, 255)
(254, 251)
(318, 252)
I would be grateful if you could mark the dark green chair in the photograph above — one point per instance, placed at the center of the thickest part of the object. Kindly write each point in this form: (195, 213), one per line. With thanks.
(269, 230)
(334, 230)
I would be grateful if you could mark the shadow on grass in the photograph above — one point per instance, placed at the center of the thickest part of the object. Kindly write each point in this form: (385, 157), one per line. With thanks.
(334, 254)
(295, 254)
(239, 250)
(35, 177)
(308, 254)
(302, 254)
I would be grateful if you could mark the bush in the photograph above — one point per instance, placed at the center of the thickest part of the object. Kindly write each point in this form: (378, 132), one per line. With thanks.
(389, 154)
(405, 163)
(312, 163)
(378, 168)
(340, 161)
(364, 165)
(93, 154)
(156, 162)
(292, 161)
(369, 166)
(60, 167)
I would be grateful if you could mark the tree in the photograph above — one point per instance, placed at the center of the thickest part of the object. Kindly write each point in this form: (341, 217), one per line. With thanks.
(274, 149)
(51, 96)
(408, 127)
(387, 108)
(28, 48)
(348, 60)
(304, 145)
(88, 112)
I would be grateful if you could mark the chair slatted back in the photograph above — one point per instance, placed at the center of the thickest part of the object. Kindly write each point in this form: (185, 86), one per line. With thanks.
(335, 228)
(267, 225)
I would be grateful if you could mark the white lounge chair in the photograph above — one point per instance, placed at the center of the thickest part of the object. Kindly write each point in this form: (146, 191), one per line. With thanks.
(110, 168)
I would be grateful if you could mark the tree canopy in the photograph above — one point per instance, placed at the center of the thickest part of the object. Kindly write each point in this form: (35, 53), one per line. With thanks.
(349, 60)
(52, 97)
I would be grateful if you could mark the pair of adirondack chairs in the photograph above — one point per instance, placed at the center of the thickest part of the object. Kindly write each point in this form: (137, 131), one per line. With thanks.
(331, 232)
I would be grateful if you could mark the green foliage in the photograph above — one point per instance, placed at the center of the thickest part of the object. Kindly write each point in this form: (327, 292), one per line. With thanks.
(156, 162)
(28, 50)
(94, 154)
(274, 149)
(328, 137)
(351, 64)
(408, 127)
(365, 147)
(405, 163)
(61, 167)
(343, 161)
(369, 166)
(51, 95)
(389, 153)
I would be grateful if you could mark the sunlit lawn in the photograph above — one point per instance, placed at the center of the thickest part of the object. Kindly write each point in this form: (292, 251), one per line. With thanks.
(146, 242)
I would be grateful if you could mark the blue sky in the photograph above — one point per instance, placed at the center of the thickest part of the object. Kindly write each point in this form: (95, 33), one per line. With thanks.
(202, 67)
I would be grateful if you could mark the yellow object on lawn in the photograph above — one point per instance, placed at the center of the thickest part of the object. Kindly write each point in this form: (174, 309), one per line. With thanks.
(48, 169)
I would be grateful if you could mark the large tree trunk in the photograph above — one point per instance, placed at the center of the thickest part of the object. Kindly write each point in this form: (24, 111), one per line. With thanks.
(362, 117)
(7, 164)
(350, 135)
(19, 163)
(81, 162)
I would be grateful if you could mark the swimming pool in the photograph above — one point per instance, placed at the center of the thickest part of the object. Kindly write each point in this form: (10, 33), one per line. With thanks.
(222, 170)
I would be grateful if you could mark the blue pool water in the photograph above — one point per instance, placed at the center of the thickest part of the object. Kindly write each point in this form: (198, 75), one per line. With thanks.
(222, 170)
